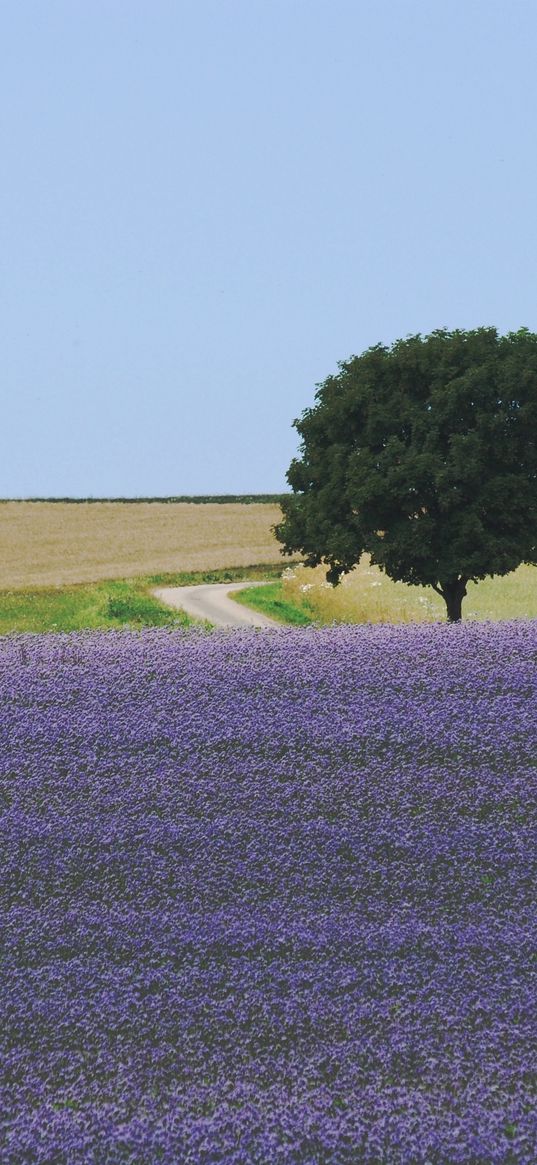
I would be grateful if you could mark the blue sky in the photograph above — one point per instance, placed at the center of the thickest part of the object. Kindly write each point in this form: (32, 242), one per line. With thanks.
(205, 204)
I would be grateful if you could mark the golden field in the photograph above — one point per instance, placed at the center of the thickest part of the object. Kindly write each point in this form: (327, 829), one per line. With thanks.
(54, 543)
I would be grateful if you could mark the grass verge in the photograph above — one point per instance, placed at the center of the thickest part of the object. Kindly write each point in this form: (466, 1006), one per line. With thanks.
(104, 605)
(271, 601)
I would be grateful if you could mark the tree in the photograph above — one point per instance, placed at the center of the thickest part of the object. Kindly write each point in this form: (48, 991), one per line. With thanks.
(423, 454)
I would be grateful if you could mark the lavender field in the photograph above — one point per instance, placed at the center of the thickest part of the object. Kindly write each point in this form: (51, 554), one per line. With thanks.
(270, 897)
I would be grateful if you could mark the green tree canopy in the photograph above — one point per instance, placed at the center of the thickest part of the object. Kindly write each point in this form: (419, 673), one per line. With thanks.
(424, 454)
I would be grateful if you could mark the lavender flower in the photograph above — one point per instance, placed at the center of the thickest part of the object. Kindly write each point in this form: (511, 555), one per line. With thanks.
(269, 897)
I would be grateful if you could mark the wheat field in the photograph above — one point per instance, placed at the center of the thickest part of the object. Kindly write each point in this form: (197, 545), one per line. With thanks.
(54, 543)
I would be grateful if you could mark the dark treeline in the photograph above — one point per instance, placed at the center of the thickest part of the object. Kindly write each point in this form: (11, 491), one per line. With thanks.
(201, 499)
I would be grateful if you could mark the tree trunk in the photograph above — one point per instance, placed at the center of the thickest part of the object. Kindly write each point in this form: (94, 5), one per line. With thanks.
(453, 593)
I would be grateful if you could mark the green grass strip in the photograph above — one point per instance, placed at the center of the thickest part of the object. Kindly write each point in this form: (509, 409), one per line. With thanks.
(115, 603)
(269, 601)
(75, 608)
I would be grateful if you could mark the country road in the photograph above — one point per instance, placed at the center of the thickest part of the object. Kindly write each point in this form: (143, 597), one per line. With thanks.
(210, 601)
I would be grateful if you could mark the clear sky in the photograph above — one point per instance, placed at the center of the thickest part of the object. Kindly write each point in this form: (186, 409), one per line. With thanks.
(205, 204)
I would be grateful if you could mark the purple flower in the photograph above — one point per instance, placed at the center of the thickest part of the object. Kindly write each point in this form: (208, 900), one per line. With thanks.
(269, 896)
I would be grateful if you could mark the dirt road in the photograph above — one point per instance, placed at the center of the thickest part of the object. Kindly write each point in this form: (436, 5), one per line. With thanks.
(210, 601)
